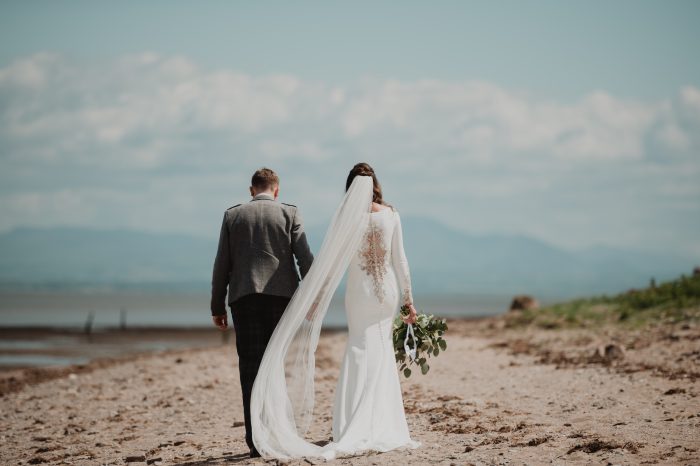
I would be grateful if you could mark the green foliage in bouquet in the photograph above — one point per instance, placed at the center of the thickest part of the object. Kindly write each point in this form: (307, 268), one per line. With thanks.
(429, 333)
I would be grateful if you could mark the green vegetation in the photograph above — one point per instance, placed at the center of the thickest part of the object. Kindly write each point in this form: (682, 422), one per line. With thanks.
(674, 301)
(429, 341)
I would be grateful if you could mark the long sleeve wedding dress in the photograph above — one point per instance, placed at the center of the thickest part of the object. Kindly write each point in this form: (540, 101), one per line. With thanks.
(368, 410)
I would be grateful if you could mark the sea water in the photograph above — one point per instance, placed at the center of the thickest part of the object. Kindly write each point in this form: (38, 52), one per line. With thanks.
(72, 310)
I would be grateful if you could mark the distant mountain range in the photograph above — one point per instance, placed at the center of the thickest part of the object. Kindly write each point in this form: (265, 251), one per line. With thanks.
(442, 260)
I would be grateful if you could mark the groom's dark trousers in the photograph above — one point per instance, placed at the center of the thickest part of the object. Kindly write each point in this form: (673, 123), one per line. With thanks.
(254, 318)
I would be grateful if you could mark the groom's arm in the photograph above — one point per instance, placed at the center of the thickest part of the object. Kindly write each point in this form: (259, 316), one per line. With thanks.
(222, 269)
(300, 247)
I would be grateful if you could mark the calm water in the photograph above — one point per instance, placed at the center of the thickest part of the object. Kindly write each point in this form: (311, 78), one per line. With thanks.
(177, 311)
(22, 347)
(71, 309)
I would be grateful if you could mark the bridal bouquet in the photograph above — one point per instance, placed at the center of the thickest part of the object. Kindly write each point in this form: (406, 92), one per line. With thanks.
(414, 343)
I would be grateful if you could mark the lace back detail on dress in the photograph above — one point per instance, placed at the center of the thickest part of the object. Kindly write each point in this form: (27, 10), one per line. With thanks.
(373, 258)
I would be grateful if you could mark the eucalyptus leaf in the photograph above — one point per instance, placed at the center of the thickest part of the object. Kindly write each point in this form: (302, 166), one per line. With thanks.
(429, 342)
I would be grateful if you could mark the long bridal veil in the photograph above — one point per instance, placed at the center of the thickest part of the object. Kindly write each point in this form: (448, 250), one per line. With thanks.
(282, 401)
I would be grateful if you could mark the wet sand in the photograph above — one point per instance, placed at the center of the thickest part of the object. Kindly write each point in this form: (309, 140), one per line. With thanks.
(496, 396)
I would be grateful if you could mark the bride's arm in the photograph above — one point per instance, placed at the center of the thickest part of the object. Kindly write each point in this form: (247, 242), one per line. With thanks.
(400, 263)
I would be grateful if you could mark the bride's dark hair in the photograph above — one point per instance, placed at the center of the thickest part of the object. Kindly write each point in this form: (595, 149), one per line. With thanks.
(363, 169)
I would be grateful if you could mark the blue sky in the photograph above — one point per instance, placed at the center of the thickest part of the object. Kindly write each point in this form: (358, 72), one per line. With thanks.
(554, 48)
(574, 122)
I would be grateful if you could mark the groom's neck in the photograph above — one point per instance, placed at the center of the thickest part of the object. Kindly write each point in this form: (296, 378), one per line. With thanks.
(264, 193)
(272, 191)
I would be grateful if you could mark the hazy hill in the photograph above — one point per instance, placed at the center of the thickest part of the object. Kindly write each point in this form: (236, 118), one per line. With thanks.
(442, 260)
(79, 255)
(453, 260)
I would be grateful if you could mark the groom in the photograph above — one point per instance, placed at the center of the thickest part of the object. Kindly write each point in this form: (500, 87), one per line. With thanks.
(255, 260)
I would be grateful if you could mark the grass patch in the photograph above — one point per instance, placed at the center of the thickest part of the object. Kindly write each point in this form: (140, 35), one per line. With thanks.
(670, 302)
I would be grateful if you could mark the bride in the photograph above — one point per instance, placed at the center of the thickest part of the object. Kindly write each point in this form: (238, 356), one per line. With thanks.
(364, 238)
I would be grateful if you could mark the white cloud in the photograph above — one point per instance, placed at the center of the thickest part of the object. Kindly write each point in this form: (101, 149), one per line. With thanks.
(31, 73)
(479, 117)
(153, 142)
(690, 97)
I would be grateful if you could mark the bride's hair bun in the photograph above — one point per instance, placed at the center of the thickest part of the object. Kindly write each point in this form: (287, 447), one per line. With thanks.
(364, 169)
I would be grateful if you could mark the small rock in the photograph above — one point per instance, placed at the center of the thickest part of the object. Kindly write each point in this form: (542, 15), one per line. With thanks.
(614, 351)
(135, 458)
(523, 302)
(537, 441)
(608, 353)
(238, 424)
(155, 461)
(674, 391)
(179, 360)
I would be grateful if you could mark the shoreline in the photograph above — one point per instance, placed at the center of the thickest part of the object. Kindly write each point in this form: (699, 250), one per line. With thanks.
(14, 378)
(37, 340)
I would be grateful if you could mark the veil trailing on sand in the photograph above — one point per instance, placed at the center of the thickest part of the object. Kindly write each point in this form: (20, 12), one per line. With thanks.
(282, 401)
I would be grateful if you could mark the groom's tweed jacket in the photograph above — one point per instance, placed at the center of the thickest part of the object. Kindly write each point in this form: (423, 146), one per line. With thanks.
(257, 246)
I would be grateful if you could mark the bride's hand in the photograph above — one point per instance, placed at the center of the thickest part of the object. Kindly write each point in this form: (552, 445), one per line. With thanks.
(412, 315)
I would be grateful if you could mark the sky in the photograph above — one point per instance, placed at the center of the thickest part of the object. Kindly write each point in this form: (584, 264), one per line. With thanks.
(577, 123)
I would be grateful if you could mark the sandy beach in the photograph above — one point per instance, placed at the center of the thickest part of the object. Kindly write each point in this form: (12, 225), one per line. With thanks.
(496, 396)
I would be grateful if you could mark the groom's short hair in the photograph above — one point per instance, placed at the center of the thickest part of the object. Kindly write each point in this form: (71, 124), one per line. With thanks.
(265, 179)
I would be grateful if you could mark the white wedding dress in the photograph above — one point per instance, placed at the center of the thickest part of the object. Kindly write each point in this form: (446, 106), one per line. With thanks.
(368, 409)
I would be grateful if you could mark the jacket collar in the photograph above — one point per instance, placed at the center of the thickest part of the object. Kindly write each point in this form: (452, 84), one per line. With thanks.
(266, 196)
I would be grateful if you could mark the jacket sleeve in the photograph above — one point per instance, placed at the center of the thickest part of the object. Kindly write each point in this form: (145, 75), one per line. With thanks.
(400, 263)
(222, 270)
(300, 247)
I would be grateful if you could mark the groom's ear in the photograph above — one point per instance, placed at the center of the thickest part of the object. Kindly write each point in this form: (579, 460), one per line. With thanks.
(277, 191)
(252, 191)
